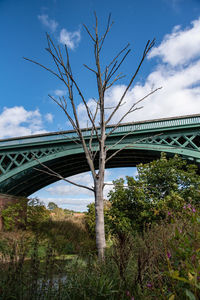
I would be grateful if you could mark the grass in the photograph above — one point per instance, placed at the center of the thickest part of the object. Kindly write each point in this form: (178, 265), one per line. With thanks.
(161, 263)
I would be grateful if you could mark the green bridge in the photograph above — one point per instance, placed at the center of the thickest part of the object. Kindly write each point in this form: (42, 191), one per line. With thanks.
(61, 151)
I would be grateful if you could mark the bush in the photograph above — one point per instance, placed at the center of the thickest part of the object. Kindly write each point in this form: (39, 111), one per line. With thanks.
(161, 187)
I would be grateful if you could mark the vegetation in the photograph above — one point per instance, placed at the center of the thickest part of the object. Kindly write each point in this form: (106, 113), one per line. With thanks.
(152, 224)
(161, 188)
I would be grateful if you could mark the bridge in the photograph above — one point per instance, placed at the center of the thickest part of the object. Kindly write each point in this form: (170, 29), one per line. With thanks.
(20, 157)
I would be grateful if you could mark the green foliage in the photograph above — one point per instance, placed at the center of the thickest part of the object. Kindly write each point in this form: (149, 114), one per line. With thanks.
(24, 214)
(15, 215)
(90, 218)
(161, 177)
(161, 263)
(52, 205)
(36, 214)
(160, 190)
(183, 254)
(155, 251)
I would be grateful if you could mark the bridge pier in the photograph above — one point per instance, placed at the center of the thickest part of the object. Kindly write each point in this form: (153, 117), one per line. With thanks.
(5, 201)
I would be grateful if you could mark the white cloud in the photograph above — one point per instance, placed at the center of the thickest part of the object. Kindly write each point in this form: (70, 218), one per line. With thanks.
(76, 204)
(49, 117)
(65, 201)
(71, 39)
(179, 47)
(17, 121)
(65, 189)
(49, 23)
(59, 93)
(177, 73)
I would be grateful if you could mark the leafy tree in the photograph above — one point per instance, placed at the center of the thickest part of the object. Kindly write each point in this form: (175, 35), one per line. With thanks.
(161, 177)
(161, 189)
(26, 213)
(52, 206)
(14, 215)
(36, 213)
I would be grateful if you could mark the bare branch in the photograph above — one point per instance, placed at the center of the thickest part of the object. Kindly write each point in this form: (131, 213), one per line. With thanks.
(90, 69)
(63, 107)
(42, 66)
(76, 141)
(148, 47)
(130, 145)
(115, 58)
(118, 77)
(88, 31)
(131, 109)
(50, 172)
(112, 107)
(109, 25)
(116, 67)
(118, 142)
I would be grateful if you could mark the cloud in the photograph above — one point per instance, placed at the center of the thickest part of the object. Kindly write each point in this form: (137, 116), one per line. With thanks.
(179, 47)
(59, 93)
(46, 21)
(177, 72)
(17, 121)
(75, 204)
(49, 117)
(65, 189)
(66, 201)
(70, 39)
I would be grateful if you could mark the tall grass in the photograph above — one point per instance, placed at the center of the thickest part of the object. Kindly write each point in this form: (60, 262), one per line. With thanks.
(161, 263)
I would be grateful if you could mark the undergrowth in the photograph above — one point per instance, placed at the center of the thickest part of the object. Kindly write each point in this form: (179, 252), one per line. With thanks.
(160, 263)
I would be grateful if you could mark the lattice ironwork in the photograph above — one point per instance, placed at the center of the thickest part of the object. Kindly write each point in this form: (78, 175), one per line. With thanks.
(184, 141)
(11, 160)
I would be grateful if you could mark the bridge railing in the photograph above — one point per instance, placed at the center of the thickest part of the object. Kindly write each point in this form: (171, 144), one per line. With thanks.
(135, 127)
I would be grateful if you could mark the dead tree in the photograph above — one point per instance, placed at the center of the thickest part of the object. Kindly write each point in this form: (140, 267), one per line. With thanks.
(105, 79)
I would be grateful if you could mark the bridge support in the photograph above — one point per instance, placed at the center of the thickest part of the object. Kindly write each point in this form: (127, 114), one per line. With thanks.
(5, 201)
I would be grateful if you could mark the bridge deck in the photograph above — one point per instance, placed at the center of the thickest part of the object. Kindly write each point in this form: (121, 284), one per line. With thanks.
(149, 125)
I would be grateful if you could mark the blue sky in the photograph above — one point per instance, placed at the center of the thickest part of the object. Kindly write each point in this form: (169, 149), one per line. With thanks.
(174, 64)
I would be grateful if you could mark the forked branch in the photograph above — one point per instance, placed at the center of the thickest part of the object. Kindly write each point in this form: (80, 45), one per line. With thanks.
(51, 172)
(148, 47)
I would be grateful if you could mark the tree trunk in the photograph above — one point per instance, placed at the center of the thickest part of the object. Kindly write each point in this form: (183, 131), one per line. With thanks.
(99, 214)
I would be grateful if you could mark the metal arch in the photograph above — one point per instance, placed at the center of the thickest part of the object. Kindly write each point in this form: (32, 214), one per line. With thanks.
(19, 156)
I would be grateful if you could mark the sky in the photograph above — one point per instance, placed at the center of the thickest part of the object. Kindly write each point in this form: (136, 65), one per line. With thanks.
(172, 64)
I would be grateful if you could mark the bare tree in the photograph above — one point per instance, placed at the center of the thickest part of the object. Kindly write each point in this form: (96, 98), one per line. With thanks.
(105, 79)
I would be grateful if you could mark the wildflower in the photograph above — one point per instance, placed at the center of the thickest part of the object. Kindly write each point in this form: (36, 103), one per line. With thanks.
(193, 210)
(189, 205)
(169, 254)
(169, 213)
(132, 298)
(128, 293)
(149, 285)
(184, 207)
